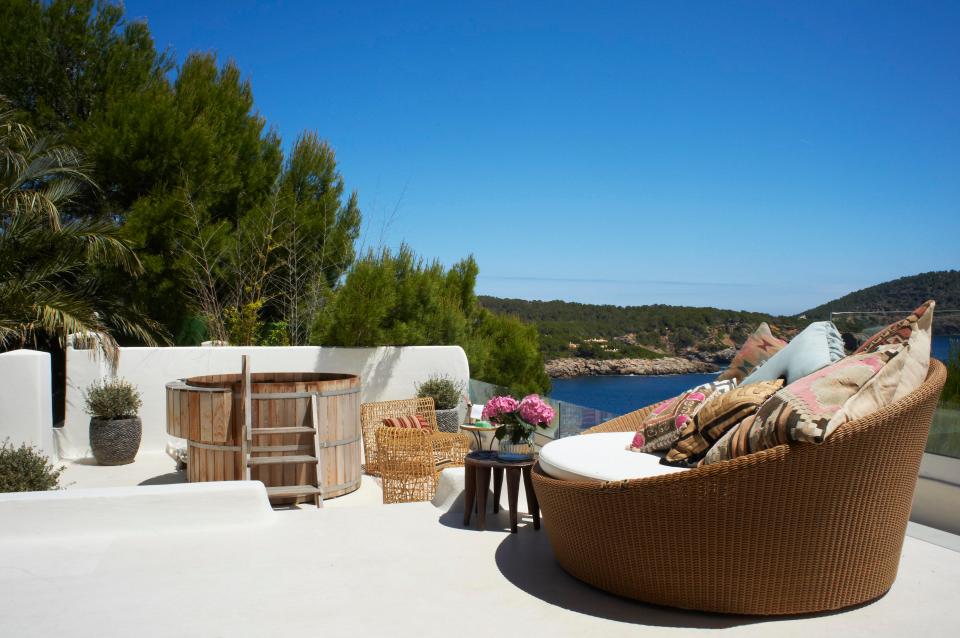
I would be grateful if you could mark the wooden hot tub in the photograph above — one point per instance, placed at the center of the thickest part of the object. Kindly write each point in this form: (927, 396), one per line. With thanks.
(208, 412)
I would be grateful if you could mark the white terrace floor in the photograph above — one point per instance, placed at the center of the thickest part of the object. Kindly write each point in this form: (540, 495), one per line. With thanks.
(398, 570)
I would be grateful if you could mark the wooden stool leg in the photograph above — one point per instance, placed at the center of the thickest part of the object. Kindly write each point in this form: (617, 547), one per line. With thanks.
(469, 492)
(513, 491)
(532, 503)
(483, 486)
(497, 483)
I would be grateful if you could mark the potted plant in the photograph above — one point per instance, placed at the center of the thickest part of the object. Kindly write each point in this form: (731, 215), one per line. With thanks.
(115, 428)
(520, 419)
(446, 394)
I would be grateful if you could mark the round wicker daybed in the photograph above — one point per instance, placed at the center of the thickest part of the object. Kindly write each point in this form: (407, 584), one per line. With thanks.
(789, 530)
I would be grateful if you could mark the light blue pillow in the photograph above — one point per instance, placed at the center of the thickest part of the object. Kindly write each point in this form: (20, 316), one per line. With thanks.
(817, 346)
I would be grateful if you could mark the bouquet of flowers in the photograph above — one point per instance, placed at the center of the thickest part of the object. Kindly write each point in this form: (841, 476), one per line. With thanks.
(519, 418)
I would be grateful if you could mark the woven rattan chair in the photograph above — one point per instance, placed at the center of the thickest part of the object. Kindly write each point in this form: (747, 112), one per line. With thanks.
(793, 529)
(407, 466)
(449, 448)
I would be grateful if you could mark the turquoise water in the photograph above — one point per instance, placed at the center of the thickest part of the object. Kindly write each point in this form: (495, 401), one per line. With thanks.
(620, 395)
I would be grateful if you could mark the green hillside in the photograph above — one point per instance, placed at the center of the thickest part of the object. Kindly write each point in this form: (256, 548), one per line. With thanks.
(635, 331)
(902, 294)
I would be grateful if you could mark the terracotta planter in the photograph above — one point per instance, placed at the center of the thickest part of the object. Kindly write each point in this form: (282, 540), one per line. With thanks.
(115, 441)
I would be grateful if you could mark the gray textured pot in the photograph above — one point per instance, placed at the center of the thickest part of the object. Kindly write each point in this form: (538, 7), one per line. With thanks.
(115, 441)
(448, 420)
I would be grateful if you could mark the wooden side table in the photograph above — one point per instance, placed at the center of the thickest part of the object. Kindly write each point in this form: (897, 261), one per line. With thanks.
(477, 471)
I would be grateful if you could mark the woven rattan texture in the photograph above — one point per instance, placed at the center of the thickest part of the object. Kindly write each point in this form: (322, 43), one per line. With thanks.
(793, 529)
(448, 448)
(407, 468)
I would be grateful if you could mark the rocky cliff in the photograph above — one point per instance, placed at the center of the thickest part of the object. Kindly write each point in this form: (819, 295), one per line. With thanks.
(576, 367)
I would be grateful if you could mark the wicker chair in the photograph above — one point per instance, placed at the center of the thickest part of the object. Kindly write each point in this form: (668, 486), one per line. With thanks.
(449, 448)
(793, 529)
(407, 466)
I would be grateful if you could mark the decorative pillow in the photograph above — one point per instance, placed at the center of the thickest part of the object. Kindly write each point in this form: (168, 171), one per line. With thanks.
(901, 331)
(905, 372)
(715, 418)
(758, 347)
(816, 347)
(407, 421)
(662, 426)
(807, 410)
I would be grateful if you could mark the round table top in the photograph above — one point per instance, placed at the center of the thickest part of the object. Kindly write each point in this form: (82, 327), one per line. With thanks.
(475, 428)
(492, 461)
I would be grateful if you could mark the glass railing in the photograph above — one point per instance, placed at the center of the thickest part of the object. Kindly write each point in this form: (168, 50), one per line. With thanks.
(572, 419)
(569, 418)
(945, 431)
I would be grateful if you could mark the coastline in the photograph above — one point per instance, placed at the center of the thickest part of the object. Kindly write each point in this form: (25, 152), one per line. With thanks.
(575, 367)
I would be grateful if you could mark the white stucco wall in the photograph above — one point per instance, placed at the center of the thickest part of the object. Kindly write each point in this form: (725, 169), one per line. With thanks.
(386, 373)
(25, 401)
(66, 515)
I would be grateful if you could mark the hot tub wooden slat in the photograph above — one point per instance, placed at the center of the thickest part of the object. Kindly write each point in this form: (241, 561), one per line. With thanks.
(220, 425)
(206, 417)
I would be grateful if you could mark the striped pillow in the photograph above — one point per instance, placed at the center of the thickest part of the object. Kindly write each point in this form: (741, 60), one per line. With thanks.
(407, 421)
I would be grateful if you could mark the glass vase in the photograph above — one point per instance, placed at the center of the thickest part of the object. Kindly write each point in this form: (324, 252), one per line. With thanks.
(509, 451)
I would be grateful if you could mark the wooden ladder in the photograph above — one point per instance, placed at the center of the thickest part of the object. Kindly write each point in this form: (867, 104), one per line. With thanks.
(250, 432)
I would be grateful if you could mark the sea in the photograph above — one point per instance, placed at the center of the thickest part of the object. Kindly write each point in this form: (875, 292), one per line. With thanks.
(622, 394)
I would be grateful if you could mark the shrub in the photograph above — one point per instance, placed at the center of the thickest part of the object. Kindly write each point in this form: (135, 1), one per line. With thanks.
(25, 469)
(445, 391)
(112, 399)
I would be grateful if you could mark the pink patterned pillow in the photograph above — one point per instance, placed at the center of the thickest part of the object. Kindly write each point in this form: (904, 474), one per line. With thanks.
(809, 409)
(662, 427)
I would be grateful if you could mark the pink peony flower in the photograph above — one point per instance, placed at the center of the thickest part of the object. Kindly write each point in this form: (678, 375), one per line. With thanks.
(498, 407)
(535, 411)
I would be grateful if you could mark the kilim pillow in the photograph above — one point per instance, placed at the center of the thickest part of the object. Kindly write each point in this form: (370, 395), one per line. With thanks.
(904, 373)
(662, 426)
(817, 346)
(758, 347)
(715, 418)
(901, 331)
(807, 410)
(406, 421)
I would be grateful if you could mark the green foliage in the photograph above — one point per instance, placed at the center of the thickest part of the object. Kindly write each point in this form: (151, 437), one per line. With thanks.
(504, 350)
(275, 333)
(224, 228)
(112, 399)
(325, 224)
(243, 324)
(66, 60)
(398, 299)
(26, 469)
(51, 268)
(901, 295)
(634, 331)
(446, 392)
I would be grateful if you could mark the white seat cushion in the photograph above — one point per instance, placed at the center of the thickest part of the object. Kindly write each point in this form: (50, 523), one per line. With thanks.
(599, 457)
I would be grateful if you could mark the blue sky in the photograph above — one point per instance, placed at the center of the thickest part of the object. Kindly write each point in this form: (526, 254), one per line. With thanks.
(761, 156)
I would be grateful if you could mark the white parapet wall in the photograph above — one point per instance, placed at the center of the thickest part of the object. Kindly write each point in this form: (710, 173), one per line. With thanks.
(386, 373)
(109, 511)
(25, 401)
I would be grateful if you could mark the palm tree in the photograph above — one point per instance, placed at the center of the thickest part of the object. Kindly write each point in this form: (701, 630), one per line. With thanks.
(50, 262)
